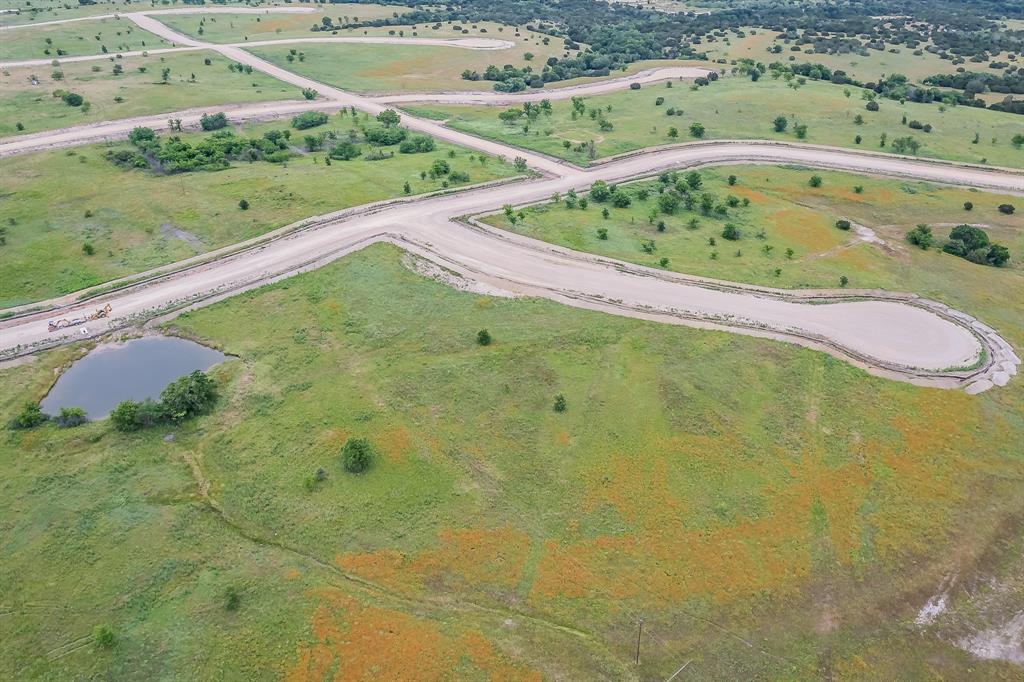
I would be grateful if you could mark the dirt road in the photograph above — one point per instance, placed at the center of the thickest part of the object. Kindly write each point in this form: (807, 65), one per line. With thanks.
(898, 336)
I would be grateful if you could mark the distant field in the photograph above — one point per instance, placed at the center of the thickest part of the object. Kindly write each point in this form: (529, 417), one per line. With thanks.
(761, 505)
(784, 213)
(403, 68)
(878, 63)
(53, 10)
(236, 28)
(141, 93)
(76, 38)
(138, 220)
(739, 108)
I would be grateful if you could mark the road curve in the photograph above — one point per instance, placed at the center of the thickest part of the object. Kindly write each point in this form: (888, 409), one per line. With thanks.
(894, 335)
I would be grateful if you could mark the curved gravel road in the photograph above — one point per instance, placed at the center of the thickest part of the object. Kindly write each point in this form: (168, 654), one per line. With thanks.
(895, 335)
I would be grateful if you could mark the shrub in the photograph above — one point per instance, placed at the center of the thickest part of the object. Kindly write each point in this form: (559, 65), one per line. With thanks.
(210, 122)
(602, 233)
(599, 191)
(634, 86)
(88, 249)
(621, 200)
(344, 151)
(458, 176)
(439, 167)
(104, 637)
(921, 236)
(483, 337)
(780, 123)
(30, 417)
(356, 455)
(243, 204)
(843, 224)
(559, 404)
(309, 93)
(417, 144)
(871, 106)
(731, 232)
(71, 417)
(189, 396)
(72, 99)
(232, 599)
(968, 206)
(1008, 209)
(309, 119)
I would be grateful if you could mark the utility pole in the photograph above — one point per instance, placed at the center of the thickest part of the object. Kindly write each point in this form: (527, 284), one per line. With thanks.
(639, 632)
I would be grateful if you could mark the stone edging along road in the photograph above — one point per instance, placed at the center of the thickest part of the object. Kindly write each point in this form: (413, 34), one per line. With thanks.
(893, 335)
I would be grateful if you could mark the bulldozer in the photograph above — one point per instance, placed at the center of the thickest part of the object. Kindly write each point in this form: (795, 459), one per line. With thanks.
(98, 314)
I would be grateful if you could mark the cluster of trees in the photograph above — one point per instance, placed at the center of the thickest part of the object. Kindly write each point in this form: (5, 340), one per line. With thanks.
(32, 415)
(188, 396)
(972, 83)
(617, 34)
(215, 152)
(966, 241)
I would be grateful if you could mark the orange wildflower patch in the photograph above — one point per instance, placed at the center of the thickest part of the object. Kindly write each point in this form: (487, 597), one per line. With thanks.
(805, 228)
(395, 443)
(475, 556)
(353, 641)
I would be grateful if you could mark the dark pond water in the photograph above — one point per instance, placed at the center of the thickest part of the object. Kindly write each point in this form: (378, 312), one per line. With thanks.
(135, 370)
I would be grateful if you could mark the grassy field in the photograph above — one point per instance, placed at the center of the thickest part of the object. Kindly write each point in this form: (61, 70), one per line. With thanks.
(756, 43)
(739, 108)
(770, 512)
(78, 38)
(237, 28)
(400, 68)
(137, 220)
(54, 10)
(785, 213)
(141, 93)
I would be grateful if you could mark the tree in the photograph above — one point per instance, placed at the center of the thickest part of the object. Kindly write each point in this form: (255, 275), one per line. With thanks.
(189, 396)
(125, 417)
(309, 119)
(872, 105)
(693, 180)
(905, 145)
(559, 404)
(815, 181)
(731, 232)
(668, 202)
(1008, 209)
(780, 123)
(673, 132)
(71, 417)
(968, 205)
(210, 122)
(921, 236)
(998, 255)
(104, 637)
(602, 233)
(406, 188)
(519, 163)
(30, 417)
(843, 280)
(843, 224)
(243, 204)
(697, 129)
(73, 99)
(1018, 140)
(731, 180)
(356, 455)
(483, 337)
(599, 191)
(621, 200)
(309, 93)
(800, 130)
(388, 118)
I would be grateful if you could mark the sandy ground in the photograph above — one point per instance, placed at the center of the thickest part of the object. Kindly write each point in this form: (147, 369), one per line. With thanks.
(892, 335)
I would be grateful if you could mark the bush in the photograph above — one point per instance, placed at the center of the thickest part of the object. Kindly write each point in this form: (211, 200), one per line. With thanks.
(189, 396)
(458, 176)
(356, 455)
(731, 232)
(634, 86)
(345, 151)
(621, 200)
(599, 191)
(871, 106)
(243, 204)
(968, 206)
(921, 236)
(843, 224)
(780, 123)
(417, 144)
(560, 404)
(1008, 209)
(385, 137)
(210, 122)
(815, 181)
(72, 99)
(232, 599)
(439, 167)
(104, 637)
(309, 119)
(30, 417)
(483, 337)
(71, 417)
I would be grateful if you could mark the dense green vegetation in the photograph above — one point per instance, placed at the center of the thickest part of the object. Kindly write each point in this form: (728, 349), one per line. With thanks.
(761, 479)
(132, 220)
(581, 130)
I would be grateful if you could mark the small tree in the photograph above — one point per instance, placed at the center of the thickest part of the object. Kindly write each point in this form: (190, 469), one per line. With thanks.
(968, 206)
(356, 455)
(921, 236)
(731, 232)
(843, 280)
(697, 129)
(483, 337)
(815, 181)
(309, 93)
(243, 204)
(71, 417)
(843, 224)
(30, 417)
(560, 404)
(388, 118)
(780, 123)
(602, 233)
(189, 396)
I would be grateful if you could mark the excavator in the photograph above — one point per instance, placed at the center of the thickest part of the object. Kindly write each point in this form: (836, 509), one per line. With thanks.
(99, 314)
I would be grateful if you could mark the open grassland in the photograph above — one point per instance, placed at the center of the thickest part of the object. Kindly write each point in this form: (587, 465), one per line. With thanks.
(237, 28)
(755, 43)
(769, 511)
(54, 10)
(77, 38)
(736, 108)
(404, 68)
(191, 83)
(135, 220)
(785, 213)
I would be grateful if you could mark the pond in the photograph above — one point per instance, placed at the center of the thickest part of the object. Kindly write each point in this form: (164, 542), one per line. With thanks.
(134, 370)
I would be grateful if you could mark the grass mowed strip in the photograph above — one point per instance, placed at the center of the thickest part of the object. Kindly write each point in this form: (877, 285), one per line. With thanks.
(97, 36)
(787, 235)
(768, 494)
(236, 28)
(27, 95)
(405, 68)
(736, 108)
(74, 219)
